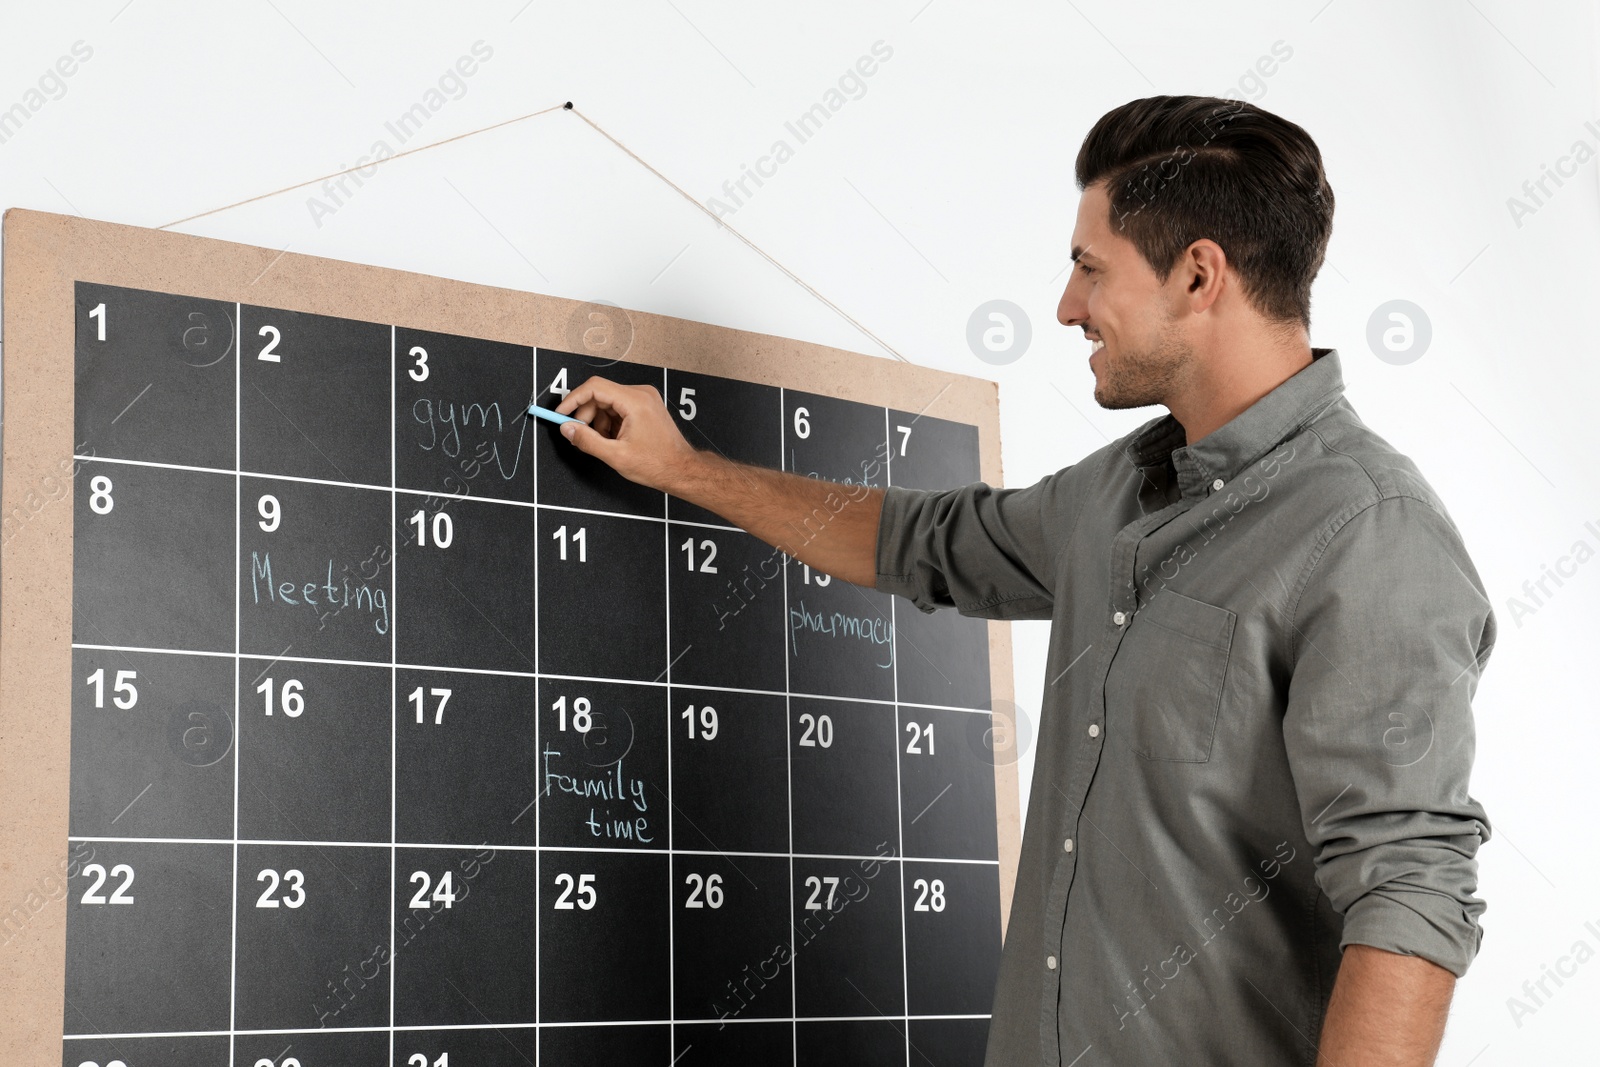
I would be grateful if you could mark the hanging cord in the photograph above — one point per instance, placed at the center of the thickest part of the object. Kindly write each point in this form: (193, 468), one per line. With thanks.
(364, 166)
(757, 249)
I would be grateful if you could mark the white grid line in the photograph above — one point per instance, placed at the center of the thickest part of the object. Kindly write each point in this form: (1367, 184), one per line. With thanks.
(438, 668)
(238, 709)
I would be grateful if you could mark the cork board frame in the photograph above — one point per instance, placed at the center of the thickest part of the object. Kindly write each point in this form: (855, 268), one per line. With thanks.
(44, 256)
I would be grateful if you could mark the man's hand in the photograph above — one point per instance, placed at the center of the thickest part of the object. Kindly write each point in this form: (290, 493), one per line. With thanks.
(630, 429)
(1387, 1010)
(832, 528)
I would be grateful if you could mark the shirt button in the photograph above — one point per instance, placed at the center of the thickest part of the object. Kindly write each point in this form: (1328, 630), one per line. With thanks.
(1216, 484)
(1119, 618)
(1050, 962)
(1094, 729)
(1068, 845)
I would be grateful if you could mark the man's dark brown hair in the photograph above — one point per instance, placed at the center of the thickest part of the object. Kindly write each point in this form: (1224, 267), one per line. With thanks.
(1181, 168)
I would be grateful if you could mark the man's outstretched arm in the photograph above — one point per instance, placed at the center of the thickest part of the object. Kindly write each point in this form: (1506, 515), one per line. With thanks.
(1387, 1010)
(833, 528)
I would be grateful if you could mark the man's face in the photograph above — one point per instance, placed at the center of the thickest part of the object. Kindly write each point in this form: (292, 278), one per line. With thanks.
(1117, 299)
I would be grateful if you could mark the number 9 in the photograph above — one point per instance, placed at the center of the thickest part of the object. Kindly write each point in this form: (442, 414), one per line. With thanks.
(271, 512)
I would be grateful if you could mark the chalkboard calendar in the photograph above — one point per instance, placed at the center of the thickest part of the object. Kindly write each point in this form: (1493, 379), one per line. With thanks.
(401, 732)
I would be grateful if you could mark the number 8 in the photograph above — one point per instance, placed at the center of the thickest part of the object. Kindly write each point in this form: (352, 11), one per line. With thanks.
(100, 501)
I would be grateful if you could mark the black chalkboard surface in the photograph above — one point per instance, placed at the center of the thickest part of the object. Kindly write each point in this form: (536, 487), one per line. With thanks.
(403, 733)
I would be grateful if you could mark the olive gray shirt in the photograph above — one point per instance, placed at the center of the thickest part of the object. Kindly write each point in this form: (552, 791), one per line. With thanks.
(1255, 735)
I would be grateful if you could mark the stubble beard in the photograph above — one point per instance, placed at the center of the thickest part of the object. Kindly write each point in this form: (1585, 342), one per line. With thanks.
(1137, 378)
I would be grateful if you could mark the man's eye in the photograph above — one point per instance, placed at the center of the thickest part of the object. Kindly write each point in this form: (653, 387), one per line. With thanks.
(1085, 268)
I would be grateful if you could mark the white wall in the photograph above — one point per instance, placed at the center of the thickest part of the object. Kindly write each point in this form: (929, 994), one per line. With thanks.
(948, 183)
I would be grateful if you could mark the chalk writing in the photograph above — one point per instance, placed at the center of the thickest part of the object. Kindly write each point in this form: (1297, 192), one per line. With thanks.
(879, 631)
(318, 593)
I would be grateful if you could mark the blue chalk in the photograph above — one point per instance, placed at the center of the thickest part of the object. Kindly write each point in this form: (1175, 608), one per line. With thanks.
(546, 413)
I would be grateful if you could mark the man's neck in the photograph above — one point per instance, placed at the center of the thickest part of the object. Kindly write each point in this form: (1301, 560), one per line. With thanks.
(1224, 385)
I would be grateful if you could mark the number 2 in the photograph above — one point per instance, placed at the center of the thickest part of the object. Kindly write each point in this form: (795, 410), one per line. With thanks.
(270, 352)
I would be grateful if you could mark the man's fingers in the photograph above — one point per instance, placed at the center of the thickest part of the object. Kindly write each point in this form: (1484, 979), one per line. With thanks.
(589, 440)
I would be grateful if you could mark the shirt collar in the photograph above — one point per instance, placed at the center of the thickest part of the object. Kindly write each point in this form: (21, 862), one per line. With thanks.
(1248, 436)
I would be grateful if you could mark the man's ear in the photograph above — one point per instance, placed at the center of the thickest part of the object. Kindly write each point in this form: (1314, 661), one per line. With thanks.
(1204, 265)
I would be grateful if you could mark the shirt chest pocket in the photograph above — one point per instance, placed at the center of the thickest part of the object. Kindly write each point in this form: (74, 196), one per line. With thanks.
(1164, 690)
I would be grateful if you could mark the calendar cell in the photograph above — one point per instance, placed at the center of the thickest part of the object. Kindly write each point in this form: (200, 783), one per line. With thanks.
(952, 913)
(602, 765)
(313, 751)
(584, 1046)
(502, 1046)
(931, 453)
(313, 937)
(849, 1043)
(726, 608)
(604, 927)
(741, 421)
(949, 1042)
(847, 955)
(730, 780)
(465, 936)
(838, 440)
(574, 479)
(152, 744)
(602, 584)
(207, 1051)
(464, 583)
(313, 396)
(315, 563)
(943, 657)
(155, 377)
(947, 801)
(151, 561)
(716, 1044)
(461, 427)
(841, 636)
(467, 767)
(148, 937)
(311, 1050)
(732, 937)
(841, 767)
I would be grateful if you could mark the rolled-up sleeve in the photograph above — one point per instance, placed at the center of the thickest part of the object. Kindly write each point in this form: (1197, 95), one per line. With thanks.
(1390, 633)
(986, 552)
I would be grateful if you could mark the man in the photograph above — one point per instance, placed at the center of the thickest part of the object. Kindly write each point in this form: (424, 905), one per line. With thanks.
(1249, 838)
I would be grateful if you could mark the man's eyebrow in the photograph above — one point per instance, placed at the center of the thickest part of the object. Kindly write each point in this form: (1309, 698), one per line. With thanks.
(1080, 251)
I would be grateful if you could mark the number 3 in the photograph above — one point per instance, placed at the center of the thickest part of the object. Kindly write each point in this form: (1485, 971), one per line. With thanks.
(419, 373)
